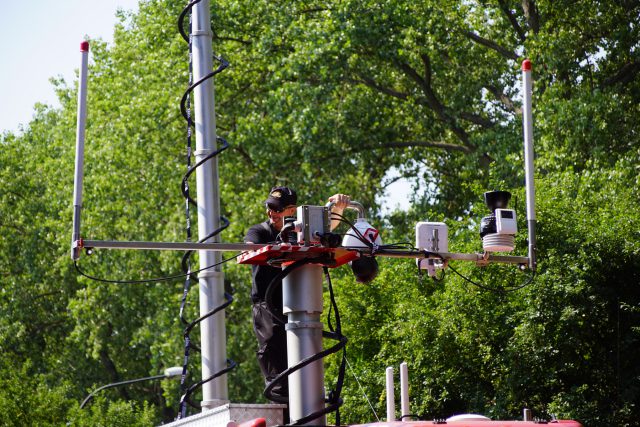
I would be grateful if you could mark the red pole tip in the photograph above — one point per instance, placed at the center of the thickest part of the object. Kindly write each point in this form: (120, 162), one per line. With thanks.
(526, 65)
(84, 46)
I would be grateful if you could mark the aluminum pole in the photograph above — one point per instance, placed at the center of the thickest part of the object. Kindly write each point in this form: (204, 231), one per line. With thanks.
(80, 135)
(404, 391)
(391, 403)
(213, 333)
(302, 303)
(527, 119)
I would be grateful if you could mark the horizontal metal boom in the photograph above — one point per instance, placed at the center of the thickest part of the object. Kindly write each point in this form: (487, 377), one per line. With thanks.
(169, 246)
(227, 247)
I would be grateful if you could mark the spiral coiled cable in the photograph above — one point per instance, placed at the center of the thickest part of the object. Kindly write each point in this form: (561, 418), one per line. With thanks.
(185, 109)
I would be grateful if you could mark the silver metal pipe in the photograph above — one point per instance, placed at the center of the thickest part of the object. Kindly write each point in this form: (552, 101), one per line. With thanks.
(212, 329)
(527, 119)
(404, 391)
(477, 258)
(356, 206)
(80, 136)
(229, 247)
(171, 246)
(302, 303)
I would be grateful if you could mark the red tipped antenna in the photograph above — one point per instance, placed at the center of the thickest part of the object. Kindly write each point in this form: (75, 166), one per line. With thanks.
(527, 119)
(76, 246)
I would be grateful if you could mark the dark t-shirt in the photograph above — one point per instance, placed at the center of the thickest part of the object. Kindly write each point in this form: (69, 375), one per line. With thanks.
(262, 275)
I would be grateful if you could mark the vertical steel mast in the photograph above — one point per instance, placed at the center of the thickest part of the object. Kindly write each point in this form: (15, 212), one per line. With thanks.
(527, 120)
(302, 303)
(211, 281)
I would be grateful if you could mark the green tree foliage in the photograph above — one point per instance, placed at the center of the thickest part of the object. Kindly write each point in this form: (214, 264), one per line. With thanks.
(328, 97)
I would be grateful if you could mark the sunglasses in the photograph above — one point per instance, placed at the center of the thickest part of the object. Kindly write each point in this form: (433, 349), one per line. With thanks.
(283, 209)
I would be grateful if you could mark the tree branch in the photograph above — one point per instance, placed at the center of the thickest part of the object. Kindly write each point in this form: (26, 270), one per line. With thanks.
(506, 101)
(110, 367)
(244, 155)
(432, 100)
(233, 99)
(624, 75)
(233, 39)
(426, 61)
(15, 227)
(512, 19)
(15, 194)
(476, 119)
(46, 294)
(314, 10)
(368, 81)
(408, 144)
(491, 45)
(531, 13)
(391, 181)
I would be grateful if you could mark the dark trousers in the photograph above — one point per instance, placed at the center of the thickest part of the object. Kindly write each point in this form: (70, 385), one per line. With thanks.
(272, 346)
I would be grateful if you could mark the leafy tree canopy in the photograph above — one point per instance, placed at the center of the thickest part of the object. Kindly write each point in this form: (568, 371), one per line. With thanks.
(329, 97)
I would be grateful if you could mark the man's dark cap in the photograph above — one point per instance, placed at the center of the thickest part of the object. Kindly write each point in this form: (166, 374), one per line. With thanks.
(281, 197)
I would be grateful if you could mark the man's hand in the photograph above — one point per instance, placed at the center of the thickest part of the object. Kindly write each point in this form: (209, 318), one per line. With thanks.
(341, 201)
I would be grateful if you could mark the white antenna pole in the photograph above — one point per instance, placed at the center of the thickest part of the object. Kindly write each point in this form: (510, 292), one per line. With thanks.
(527, 119)
(213, 333)
(404, 391)
(80, 135)
(391, 404)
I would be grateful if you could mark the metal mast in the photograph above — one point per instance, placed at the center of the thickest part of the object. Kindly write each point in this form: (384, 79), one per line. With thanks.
(211, 281)
(302, 303)
(80, 136)
(527, 120)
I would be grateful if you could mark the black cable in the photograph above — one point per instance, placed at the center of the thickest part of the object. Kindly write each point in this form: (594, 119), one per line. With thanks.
(191, 169)
(157, 279)
(184, 399)
(181, 17)
(358, 234)
(371, 245)
(277, 281)
(334, 396)
(492, 289)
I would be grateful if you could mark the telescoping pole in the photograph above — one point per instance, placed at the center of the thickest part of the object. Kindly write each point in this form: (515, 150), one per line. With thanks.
(80, 135)
(211, 281)
(527, 118)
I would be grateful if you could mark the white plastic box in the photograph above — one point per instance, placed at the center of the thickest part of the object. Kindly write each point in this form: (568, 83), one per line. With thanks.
(432, 237)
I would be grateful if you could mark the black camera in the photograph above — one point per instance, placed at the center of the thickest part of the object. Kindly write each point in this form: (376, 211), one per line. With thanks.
(288, 233)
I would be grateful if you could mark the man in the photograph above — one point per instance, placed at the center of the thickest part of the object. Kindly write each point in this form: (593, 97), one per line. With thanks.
(271, 335)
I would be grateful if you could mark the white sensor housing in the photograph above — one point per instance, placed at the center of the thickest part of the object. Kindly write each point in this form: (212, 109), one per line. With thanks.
(432, 237)
(506, 221)
(503, 239)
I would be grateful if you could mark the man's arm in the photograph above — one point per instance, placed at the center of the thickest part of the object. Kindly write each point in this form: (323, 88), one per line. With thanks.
(256, 234)
(341, 202)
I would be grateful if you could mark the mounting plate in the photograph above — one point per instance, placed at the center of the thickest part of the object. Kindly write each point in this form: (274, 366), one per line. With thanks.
(285, 253)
